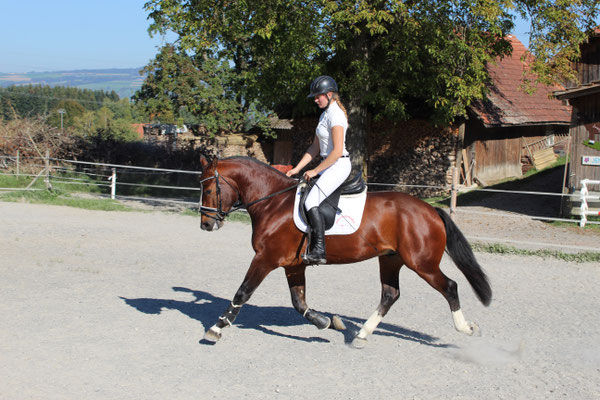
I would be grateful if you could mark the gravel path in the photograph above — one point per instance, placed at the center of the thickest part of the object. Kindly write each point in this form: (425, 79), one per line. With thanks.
(112, 305)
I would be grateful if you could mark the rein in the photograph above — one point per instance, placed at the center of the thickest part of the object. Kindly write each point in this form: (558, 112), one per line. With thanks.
(220, 214)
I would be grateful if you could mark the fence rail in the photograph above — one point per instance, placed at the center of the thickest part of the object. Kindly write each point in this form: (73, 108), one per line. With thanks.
(112, 181)
(584, 194)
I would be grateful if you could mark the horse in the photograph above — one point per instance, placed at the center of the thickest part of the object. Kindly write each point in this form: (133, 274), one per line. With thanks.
(397, 228)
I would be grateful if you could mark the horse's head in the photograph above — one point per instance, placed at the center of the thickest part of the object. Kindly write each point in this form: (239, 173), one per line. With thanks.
(218, 196)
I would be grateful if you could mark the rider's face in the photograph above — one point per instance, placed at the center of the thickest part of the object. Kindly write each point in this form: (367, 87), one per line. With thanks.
(323, 99)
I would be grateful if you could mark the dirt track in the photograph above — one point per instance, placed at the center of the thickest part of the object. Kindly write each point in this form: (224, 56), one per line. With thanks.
(108, 305)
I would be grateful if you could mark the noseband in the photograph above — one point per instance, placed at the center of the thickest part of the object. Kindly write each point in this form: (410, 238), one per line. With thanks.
(218, 213)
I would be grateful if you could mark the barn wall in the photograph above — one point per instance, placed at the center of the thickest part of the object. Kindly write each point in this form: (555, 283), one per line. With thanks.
(586, 126)
(500, 153)
(588, 67)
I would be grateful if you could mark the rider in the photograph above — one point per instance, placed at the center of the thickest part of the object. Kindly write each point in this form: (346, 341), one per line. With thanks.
(335, 166)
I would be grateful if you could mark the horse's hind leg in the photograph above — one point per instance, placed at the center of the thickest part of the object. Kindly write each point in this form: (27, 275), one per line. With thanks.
(389, 270)
(297, 283)
(432, 274)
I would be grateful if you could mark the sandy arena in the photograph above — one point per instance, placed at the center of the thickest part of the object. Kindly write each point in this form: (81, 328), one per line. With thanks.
(113, 305)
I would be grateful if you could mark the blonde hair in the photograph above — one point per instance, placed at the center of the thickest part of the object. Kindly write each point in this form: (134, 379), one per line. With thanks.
(336, 97)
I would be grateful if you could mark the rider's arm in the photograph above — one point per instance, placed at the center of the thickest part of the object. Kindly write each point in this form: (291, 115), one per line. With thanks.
(312, 152)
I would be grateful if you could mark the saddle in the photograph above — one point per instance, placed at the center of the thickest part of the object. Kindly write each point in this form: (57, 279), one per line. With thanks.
(329, 207)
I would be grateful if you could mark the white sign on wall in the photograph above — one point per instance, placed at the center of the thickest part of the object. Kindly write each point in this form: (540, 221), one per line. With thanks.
(590, 160)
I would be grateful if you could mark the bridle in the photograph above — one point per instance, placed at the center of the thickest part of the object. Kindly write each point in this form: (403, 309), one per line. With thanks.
(218, 214)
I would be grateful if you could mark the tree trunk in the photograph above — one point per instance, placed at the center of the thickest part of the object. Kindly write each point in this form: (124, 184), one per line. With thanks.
(358, 132)
(357, 135)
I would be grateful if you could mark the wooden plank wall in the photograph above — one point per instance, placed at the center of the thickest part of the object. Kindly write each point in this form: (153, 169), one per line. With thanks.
(586, 127)
(498, 158)
(498, 151)
(588, 68)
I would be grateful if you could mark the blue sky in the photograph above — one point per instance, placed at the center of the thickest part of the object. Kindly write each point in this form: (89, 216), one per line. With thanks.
(53, 35)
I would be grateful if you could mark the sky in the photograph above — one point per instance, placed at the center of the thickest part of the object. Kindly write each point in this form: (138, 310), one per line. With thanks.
(54, 35)
(63, 35)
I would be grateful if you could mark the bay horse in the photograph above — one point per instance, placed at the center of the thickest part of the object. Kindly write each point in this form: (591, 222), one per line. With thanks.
(396, 227)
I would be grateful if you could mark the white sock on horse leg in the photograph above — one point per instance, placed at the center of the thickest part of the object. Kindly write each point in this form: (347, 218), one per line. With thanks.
(370, 325)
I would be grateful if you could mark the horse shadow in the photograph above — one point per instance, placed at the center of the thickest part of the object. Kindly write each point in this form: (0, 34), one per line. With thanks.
(206, 308)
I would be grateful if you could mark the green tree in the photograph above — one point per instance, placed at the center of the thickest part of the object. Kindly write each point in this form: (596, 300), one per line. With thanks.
(192, 89)
(392, 59)
(73, 110)
(105, 124)
(35, 100)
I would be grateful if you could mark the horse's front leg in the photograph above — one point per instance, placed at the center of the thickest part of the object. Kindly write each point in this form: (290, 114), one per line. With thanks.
(256, 274)
(297, 283)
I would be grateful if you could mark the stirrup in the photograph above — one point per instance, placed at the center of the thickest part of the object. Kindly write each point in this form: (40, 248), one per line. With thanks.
(311, 259)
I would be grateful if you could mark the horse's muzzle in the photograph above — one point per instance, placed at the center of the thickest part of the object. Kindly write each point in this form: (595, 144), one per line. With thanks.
(211, 225)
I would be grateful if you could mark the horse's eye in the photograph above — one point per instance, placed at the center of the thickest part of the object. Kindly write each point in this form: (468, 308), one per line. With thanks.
(208, 191)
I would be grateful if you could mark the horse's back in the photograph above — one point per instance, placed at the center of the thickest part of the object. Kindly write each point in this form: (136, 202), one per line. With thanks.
(404, 219)
(400, 204)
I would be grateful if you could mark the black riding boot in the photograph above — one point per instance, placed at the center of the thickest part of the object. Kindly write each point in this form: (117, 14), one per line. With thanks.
(316, 253)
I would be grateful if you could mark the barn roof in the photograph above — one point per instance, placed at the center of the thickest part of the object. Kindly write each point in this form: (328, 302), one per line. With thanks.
(508, 105)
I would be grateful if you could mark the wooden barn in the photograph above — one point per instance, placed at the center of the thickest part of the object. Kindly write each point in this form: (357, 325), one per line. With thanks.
(584, 97)
(511, 130)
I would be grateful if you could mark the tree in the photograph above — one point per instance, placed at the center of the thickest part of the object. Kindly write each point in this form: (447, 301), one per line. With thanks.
(192, 89)
(73, 110)
(392, 59)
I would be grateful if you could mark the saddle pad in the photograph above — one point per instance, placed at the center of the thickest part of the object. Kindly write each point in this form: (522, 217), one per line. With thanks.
(346, 222)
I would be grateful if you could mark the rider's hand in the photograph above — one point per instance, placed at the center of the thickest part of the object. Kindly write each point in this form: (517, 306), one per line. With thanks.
(291, 172)
(308, 175)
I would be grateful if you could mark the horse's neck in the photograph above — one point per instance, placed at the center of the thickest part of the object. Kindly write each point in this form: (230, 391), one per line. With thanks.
(258, 180)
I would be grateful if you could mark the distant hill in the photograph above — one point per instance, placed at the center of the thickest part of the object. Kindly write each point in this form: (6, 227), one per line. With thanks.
(124, 81)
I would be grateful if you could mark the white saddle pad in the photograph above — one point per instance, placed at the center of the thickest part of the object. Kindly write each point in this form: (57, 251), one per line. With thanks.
(346, 222)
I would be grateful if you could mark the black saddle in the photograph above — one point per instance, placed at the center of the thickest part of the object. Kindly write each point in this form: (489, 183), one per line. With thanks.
(329, 207)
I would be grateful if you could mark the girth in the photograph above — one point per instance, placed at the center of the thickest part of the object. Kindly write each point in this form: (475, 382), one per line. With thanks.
(329, 207)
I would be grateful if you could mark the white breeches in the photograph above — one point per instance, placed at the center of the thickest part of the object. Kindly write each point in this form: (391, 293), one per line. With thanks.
(328, 182)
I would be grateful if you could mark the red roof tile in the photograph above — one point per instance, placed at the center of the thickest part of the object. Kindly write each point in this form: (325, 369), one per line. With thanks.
(508, 105)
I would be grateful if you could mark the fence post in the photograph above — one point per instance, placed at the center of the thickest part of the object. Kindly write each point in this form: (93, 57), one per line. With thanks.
(18, 165)
(113, 184)
(47, 170)
(453, 193)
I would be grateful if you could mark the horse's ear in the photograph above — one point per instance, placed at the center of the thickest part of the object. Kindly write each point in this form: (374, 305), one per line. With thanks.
(204, 162)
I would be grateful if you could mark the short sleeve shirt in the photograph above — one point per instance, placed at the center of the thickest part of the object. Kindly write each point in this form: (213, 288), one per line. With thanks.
(332, 116)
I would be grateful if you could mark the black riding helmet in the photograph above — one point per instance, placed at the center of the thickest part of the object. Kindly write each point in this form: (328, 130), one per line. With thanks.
(322, 85)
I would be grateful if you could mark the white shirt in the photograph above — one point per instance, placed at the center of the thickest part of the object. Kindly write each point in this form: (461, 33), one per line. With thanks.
(332, 116)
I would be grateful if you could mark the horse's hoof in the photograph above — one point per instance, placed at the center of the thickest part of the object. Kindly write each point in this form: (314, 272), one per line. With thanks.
(475, 330)
(337, 323)
(213, 335)
(358, 343)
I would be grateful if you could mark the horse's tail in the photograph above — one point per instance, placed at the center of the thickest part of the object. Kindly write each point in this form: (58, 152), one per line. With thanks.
(461, 253)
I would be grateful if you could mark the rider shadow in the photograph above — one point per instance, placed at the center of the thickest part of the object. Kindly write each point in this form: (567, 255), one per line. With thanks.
(206, 308)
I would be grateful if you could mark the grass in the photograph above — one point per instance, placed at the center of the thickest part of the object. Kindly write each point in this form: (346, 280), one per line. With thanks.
(595, 145)
(440, 201)
(239, 216)
(59, 198)
(575, 223)
(496, 248)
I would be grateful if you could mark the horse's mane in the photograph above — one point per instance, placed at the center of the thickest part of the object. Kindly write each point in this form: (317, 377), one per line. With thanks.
(245, 159)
